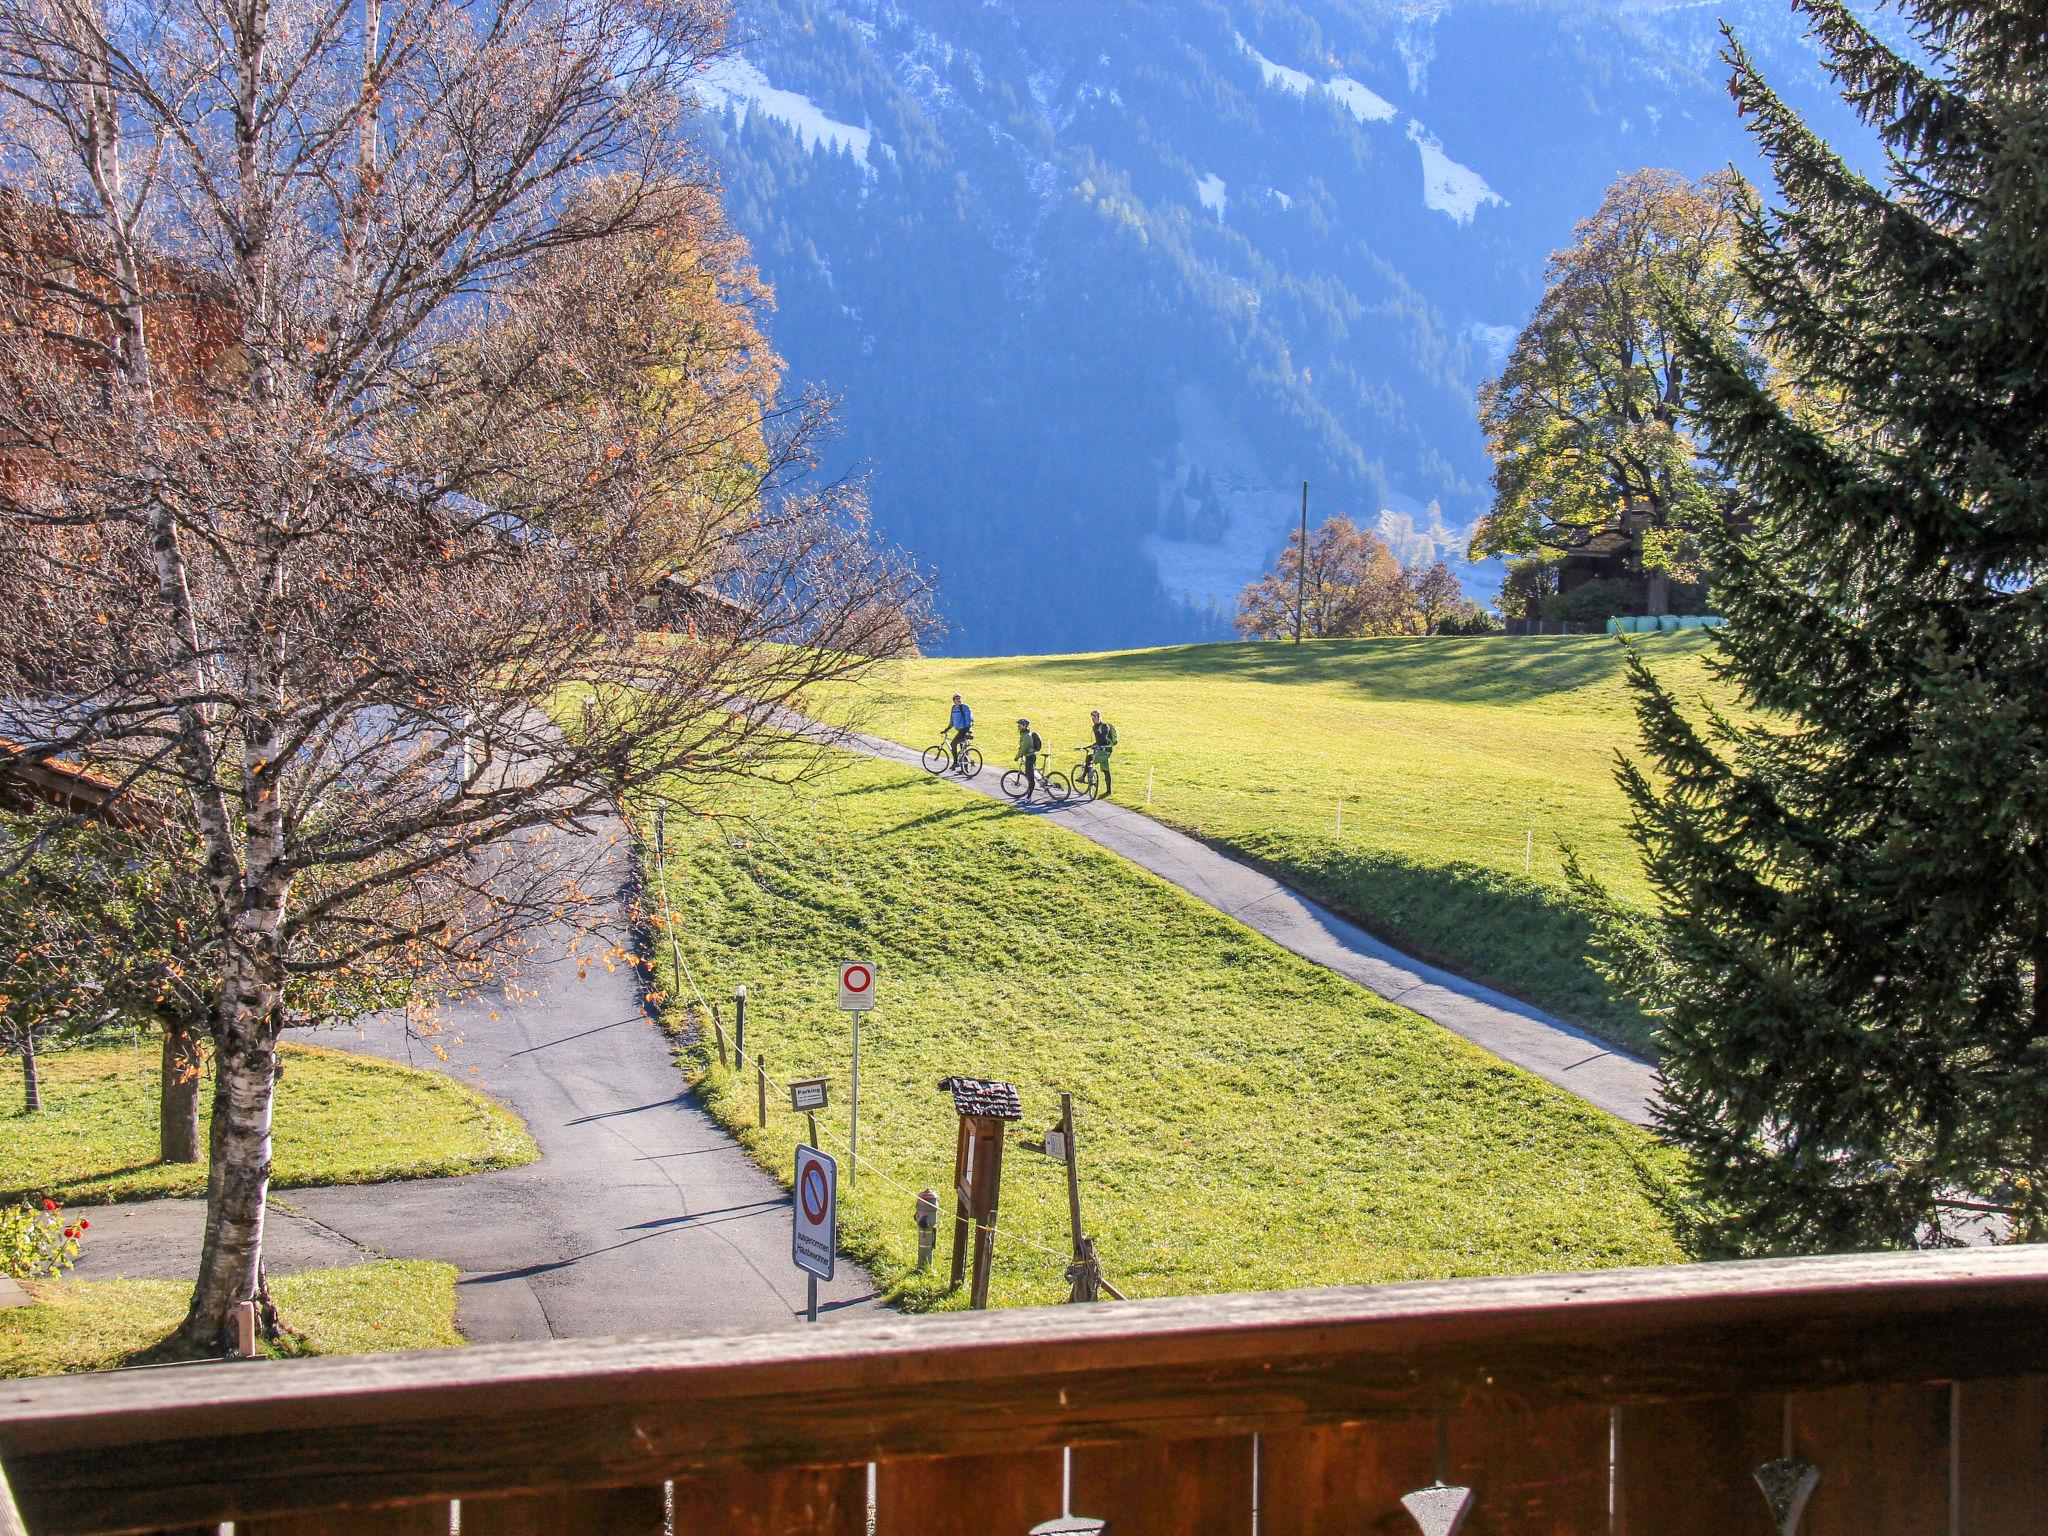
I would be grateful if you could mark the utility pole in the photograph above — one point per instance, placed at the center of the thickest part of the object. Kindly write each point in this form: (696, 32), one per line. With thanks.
(1301, 566)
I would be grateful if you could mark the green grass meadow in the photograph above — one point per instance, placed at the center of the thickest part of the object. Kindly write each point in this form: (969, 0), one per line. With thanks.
(1246, 1120)
(358, 1309)
(1461, 766)
(340, 1119)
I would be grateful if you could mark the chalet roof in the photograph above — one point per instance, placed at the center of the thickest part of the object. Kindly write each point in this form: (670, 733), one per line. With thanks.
(983, 1097)
(68, 786)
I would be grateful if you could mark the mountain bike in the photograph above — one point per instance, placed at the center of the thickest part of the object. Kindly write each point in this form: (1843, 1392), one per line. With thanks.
(1051, 780)
(1086, 779)
(951, 757)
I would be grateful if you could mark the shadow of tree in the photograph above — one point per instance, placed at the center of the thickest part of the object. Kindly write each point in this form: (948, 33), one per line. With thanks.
(1481, 923)
(1479, 669)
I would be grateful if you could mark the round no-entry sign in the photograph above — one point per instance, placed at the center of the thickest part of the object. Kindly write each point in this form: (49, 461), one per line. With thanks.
(817, 1194)
(857, 986)
(814, 1214)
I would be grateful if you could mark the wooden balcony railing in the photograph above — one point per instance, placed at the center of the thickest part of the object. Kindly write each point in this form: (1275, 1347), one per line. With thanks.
(1636, 1401)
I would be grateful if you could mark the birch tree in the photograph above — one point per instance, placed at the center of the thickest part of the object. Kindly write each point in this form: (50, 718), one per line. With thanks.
(343, 424)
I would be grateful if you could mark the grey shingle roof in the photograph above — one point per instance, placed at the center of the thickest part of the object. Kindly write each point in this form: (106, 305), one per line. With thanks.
(980, 1096)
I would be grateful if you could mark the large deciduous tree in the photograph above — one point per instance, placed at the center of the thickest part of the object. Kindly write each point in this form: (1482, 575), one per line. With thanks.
(1850, 949)
(344, 420)
(1352, 586)
(1591, 449)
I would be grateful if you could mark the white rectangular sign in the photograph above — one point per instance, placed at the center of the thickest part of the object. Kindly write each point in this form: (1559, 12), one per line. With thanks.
(857, 986)
(814, 1207)
(807, 1094)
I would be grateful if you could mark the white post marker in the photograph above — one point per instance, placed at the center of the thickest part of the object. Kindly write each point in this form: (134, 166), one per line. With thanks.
(814, 1219)
(856, 996)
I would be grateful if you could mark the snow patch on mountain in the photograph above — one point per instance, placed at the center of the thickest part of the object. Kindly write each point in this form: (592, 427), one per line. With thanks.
(1447, 186)
(1210, 189)
(1364, 103)
(1277, 74)
(1209, 573)
(734, 82)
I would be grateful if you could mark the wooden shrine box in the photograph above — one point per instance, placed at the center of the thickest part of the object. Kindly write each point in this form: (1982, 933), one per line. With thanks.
(984, 1107)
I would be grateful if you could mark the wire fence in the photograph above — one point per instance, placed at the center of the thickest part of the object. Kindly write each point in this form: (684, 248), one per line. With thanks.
(1000, 1236)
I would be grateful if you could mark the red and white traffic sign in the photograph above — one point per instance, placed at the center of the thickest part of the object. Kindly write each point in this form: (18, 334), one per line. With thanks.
(814, 1212)
(857, 986)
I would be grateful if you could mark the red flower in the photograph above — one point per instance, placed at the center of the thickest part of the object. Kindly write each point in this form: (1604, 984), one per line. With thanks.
(83, 1224)
(49, 1205)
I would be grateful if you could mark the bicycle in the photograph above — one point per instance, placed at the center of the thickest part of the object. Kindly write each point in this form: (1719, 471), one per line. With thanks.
(1086, 779)
(1051, 780)
(962, 758)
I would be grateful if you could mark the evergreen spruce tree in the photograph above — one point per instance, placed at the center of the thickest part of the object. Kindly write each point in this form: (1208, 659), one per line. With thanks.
(1850, 950)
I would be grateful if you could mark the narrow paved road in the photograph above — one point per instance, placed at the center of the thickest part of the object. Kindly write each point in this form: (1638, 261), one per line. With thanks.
(1563, 1054)
(641, 1215)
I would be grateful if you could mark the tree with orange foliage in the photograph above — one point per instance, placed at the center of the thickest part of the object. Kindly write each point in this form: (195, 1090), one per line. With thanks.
(1354, 586)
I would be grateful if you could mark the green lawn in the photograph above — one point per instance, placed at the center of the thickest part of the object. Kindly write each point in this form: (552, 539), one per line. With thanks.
(340, 1119)
(1461, 765)
(1247, 1120)
(96, 1325)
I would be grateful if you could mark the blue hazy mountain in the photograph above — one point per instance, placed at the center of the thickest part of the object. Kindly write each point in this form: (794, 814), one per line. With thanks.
(1099, 283)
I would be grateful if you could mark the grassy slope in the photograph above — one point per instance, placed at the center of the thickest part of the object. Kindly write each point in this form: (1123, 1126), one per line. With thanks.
(1247, 1120)
(1449, 754)
(341, 1119)
(96, 1325)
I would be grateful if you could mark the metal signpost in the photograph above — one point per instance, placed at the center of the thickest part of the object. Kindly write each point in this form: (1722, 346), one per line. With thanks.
(814, 1220)
(856, 996)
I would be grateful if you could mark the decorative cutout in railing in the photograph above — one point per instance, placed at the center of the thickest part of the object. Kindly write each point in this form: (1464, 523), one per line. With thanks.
(1438, 1510)
(1787, 1484)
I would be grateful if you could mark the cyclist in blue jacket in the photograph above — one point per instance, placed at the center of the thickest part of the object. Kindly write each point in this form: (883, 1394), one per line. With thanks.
(961, 724)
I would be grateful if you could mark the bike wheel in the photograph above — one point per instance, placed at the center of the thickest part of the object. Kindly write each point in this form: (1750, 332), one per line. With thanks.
(970, 762)
(937, 759)
(1056, 786)
(1087, 783)
(1013, 783)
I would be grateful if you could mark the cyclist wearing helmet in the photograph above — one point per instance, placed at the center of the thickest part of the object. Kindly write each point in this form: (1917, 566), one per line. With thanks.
(961, 724)
(1101, 745)
(1029, 745)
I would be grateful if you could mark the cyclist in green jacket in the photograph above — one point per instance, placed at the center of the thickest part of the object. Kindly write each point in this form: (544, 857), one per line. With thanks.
(1029, 745)
(1100, 748)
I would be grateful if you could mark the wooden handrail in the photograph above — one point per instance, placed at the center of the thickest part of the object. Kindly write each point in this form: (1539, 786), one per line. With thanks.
(167, 1447)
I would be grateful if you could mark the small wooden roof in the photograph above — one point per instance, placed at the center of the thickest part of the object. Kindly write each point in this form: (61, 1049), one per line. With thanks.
(983, 1098)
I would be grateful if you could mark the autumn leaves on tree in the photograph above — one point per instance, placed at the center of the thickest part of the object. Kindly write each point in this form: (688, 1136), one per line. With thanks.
(369, 374)
(1352, 586)
(1591, 445)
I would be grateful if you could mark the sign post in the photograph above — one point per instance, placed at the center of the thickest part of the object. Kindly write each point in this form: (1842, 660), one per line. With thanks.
(814, 1220)
(856, 996)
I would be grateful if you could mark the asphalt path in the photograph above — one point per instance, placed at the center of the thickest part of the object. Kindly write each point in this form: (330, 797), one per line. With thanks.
(1561, 1053)
(641, 1215)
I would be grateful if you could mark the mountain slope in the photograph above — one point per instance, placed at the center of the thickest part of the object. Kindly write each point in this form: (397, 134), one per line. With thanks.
(1101, 283)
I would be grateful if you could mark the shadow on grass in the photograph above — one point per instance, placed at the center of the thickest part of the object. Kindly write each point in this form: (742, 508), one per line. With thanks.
(1498, 929)
(1451, 669)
